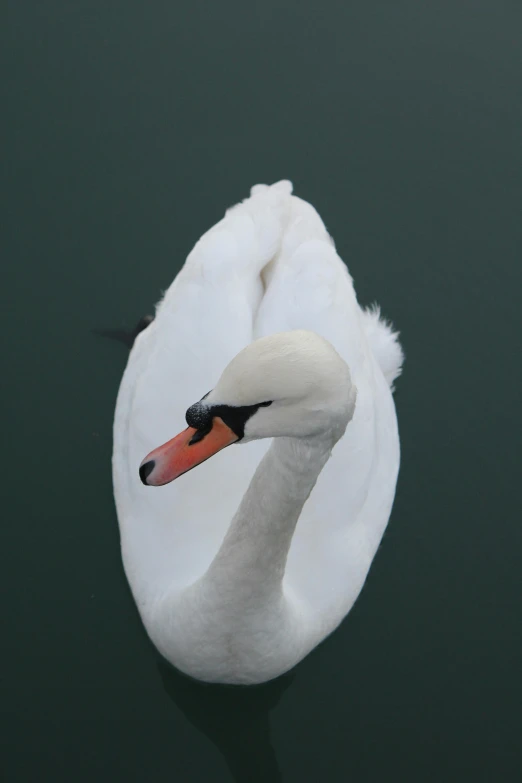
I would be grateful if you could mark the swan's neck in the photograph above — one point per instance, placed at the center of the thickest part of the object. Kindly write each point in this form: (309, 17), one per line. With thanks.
(250, 563)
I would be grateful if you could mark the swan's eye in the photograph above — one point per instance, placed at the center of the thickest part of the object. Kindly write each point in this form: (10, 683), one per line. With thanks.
(236, 417)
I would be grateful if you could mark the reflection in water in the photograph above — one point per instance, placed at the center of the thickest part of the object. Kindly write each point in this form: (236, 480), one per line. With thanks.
(234, 718)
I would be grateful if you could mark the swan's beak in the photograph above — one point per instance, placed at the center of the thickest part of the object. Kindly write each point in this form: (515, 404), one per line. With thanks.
(178, 455)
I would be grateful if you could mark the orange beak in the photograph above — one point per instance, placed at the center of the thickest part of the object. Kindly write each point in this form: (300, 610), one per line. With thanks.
(178, 455)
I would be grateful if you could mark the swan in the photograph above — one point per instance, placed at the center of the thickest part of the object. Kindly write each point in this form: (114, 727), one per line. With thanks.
(240, 567)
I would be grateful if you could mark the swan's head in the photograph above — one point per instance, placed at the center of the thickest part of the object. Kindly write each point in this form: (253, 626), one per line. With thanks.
(292, 384)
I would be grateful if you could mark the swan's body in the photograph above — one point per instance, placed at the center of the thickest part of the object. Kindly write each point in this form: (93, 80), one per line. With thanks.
(244, 606)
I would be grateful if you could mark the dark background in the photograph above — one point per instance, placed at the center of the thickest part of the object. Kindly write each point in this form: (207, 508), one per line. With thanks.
(129, 128)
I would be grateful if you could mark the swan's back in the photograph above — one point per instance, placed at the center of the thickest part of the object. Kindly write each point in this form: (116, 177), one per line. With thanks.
(268, 266)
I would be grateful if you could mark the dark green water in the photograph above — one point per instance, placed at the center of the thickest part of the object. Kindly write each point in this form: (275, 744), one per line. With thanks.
(130, 127)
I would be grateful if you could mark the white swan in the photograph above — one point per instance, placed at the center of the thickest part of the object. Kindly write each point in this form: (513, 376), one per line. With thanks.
(245, 564)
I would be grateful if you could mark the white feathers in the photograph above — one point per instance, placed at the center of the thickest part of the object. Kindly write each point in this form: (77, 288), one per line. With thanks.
(384, 342)
(237, 570)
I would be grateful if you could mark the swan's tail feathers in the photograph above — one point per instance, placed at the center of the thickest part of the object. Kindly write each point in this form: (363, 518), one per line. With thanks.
(303, 228)
(269, 210)
(245, 240)
(284, 187)
(384, 342)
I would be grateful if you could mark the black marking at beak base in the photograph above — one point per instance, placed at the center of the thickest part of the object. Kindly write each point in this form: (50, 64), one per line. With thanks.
(200, 417)
(199, 435)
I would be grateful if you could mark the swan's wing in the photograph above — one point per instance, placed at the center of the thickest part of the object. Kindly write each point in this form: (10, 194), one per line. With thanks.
(205, 318)
(341, 525)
